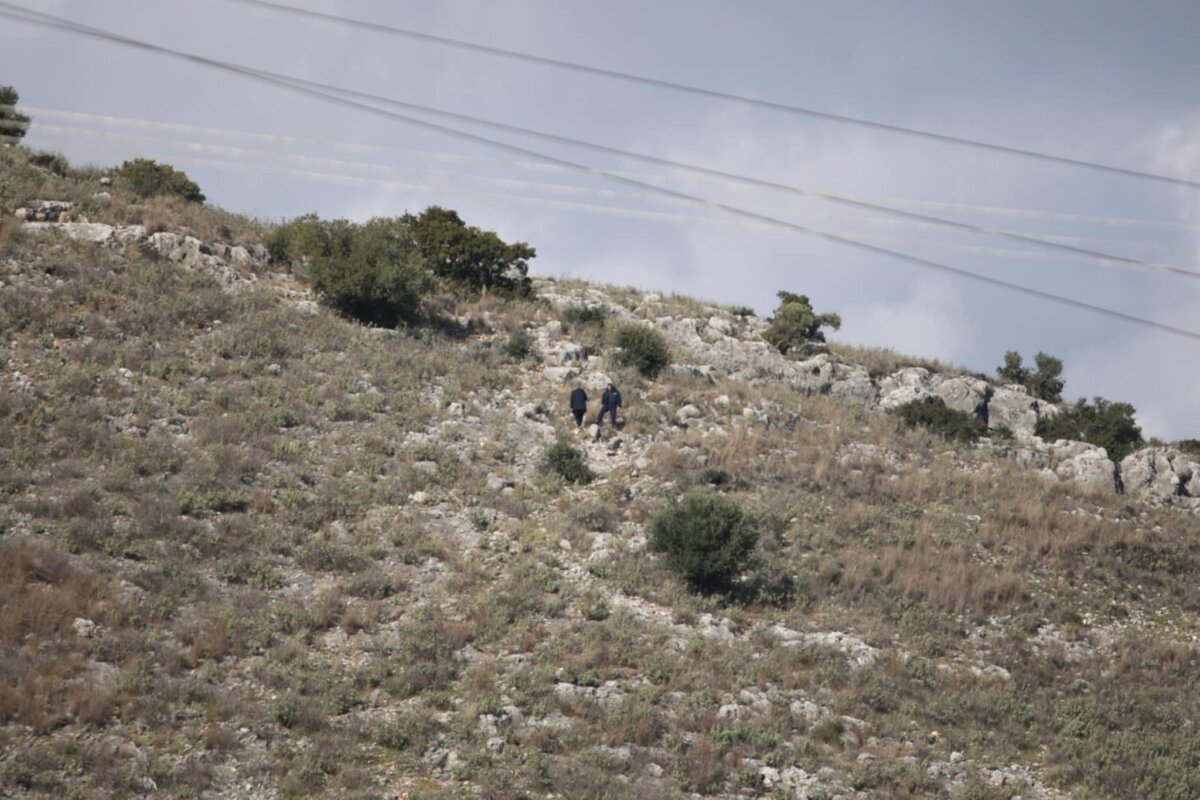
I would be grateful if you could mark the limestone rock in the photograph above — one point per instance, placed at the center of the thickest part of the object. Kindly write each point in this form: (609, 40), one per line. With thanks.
(94, 232)
(1085, 464)
(1011, 407)
(1160, 472)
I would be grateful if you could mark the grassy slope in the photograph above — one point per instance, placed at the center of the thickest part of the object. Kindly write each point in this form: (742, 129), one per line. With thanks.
(222, 484)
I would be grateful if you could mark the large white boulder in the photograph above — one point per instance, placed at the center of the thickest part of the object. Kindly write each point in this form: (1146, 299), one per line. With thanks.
(1160, 472)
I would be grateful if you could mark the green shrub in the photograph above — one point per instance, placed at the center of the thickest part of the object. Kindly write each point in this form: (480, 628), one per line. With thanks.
(643, 348)
(1044, 383)
(373, 272)
(300, 239)
(933, 415)
(584, 315)
(705, 537)
(147, 178)
(566, 461)
(13, 123)
(795, 323)
(54, 162)
(467, 258)
(519, 346)
(1102, 422)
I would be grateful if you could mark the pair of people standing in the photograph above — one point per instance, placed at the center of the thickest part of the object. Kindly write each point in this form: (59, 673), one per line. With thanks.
(610, 401)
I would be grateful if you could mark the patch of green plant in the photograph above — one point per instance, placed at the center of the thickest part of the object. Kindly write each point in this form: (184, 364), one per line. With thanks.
(248, 572)
(576, 314)
(1044, 382)
(217, 500)
(934, 415)
(795, 323)
(705, 537)
(642, 348)
(519, 345)
(147, 178)
(1101, 422)
(567, 462)
(467, 258)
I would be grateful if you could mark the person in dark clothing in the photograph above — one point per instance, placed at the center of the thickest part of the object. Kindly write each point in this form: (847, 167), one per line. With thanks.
(579, 405)
(610, 401)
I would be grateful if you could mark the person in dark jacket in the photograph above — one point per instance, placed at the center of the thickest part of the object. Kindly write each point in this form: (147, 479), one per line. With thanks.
(579, 405)
(610, 401)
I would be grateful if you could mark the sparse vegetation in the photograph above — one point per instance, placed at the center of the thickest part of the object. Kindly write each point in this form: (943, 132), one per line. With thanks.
(249, 543)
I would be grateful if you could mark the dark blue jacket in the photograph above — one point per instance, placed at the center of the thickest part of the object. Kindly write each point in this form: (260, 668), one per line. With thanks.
(611, 399)
(579, 400)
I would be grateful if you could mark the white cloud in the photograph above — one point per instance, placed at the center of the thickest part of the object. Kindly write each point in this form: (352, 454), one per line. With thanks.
(931, 320)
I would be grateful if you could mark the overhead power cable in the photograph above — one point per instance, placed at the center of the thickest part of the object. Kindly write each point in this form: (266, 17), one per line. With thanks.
(715, 94)
(57, 23)
(78, 134)
(327, 90)
(740, 183)
(623, 211)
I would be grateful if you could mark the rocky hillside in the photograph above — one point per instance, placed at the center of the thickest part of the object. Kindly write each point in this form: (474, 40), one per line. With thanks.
(253, 549)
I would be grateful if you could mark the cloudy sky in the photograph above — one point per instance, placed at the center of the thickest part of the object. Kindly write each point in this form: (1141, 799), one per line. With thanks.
(1097, 81)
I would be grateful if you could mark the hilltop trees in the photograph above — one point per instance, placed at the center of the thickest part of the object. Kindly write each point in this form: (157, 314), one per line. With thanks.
(381, 271)
(13, 123)
(469, 259)
(1045, 382)
(1102, 422)
(795, 322)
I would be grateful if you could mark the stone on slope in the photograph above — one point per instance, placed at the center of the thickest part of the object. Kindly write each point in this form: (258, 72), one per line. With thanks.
(1160, 472)
(1086, 464)
(1011, 407)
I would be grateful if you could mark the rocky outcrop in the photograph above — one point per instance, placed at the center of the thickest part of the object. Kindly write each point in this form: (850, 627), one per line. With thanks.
(1087, 465)
(917, 384)
(1161, 472)
(46, 211)
(1012, 408)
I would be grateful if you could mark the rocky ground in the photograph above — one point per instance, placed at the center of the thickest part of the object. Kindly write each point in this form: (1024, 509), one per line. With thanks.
(286, 555)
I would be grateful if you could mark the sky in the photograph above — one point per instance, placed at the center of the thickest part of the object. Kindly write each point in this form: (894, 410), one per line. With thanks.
(1098, 81)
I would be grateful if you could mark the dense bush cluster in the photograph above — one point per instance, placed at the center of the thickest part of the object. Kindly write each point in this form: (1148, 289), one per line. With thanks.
(705, 537)
(372, 272)
(795, 323)
(934, 415)
(380, 272)
(642, 348)
(469, 259)
(1102, 422)
(145, 177)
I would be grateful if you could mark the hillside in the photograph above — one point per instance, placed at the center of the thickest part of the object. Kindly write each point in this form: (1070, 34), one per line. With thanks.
(252, 548)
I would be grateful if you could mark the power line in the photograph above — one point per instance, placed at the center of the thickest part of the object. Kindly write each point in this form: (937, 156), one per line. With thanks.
(627, 212)
(730, 182)
(90, 134)
(715, 94)
(46, 20)
(326, 90)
